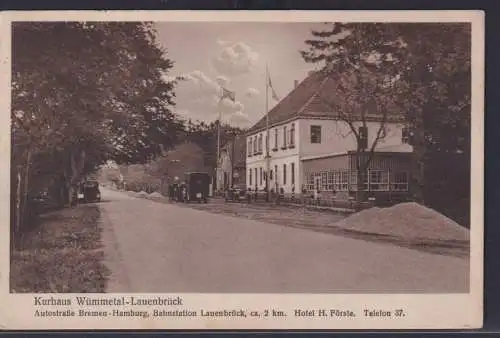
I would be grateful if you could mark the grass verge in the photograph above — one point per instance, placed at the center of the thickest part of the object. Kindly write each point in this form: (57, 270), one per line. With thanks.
(61, 255)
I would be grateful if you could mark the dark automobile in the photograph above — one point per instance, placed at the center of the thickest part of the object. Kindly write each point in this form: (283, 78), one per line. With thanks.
(236, 193)
(90, 192)
(197, 186)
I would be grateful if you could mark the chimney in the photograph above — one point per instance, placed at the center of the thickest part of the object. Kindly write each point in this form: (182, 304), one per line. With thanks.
(295, 83)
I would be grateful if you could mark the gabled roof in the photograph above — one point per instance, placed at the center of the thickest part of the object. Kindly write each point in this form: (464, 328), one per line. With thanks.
(305, 101)
(296, 101)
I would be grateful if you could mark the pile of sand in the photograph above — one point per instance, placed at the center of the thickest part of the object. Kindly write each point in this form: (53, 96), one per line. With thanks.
(142, 194)
(156, 194)
(406, 220)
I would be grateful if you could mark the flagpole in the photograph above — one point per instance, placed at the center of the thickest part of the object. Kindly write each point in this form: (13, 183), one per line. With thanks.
(218, 144)
(268, 141)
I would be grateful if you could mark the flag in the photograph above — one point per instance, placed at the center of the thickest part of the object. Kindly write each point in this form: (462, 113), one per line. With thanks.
(270, 84)
(227, 94)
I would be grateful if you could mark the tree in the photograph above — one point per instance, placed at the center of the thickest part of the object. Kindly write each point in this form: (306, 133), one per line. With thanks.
(432, 63)
(205, 136)
(84, 93)
(359, 87)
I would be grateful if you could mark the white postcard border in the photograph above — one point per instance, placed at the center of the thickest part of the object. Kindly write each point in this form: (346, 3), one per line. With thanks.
(423, 311)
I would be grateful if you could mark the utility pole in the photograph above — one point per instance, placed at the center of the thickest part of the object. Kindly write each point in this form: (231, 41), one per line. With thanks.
(268, 157)
(218, 146)
(232, 158)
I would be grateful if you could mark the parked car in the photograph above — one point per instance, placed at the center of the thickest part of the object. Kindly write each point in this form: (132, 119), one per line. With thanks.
(197, 187)
(90, 191)
(236, 193)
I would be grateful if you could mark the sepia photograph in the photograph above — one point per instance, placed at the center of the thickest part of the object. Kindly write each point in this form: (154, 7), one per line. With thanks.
(295, 157)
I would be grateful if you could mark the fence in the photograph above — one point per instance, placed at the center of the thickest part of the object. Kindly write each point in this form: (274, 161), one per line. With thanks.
(348, 205)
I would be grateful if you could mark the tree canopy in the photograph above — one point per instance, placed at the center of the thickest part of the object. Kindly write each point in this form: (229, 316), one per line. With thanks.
(431, 63)
(84, 93)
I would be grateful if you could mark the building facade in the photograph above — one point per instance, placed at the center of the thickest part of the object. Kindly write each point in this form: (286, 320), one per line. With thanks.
(232, 164)
(311, 149)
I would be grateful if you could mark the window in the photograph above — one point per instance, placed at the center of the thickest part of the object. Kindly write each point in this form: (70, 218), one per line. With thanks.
(336, 180)
(284, 138)
(275, 139)
(324, 181)
(329, 181)
(284, 174)
(315, 134)
(255, 145)
(344, 180)
(260, 143)
(363, 137)
(250, 145)
(276, 174)
(267, 144)
(354, 180)
(310, 182)
(292, 135)
(292, 168)
(400, 181)
(249, 176)
(255, 172)
(261, 176)
(271, 174)
(406, 135)
(378, 180)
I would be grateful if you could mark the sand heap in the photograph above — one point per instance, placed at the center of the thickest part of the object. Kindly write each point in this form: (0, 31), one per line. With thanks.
(408, 221)
(156, 194)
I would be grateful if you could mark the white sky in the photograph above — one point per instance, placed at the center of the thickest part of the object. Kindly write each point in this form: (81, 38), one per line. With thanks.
(233, 54)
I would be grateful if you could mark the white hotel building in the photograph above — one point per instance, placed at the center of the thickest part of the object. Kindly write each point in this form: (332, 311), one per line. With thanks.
(311, 149)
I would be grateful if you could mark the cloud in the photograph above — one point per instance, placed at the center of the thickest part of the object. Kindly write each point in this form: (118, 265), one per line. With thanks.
(201, 98)
(231, 107)
(222, 80)
(239, 119)
(227, 106)
(222, 42)
(197, 115)
(170, 78)
(252, 92)
(202, 83)
(235, 59)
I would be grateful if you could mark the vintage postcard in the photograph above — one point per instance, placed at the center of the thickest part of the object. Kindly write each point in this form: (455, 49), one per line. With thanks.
(242, 170)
